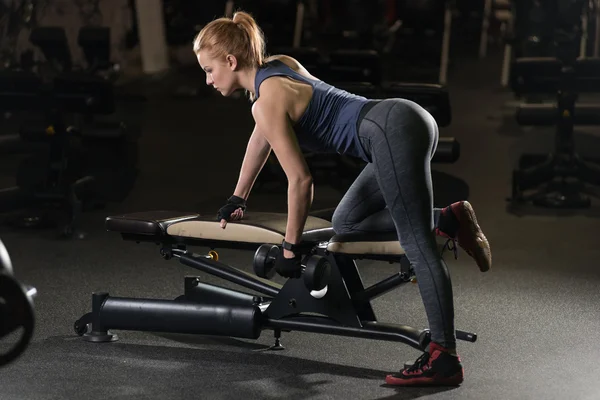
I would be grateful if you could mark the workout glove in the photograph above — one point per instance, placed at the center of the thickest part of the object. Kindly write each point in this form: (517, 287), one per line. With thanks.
(233, 203)
(288, 267)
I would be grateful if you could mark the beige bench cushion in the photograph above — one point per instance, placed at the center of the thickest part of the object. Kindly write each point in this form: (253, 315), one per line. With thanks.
(264, 228)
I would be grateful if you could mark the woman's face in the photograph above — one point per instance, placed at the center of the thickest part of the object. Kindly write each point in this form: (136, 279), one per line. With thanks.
(219, 73)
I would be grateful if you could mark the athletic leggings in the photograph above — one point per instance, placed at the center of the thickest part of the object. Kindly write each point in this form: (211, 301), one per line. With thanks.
(394, 193)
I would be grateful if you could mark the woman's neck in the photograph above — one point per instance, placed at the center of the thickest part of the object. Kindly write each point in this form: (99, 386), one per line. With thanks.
(247, 78)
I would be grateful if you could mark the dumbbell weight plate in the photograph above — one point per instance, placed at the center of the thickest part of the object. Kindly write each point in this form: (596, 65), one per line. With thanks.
(264, 261)
(5, 263)
(317, 273)
(16, 311)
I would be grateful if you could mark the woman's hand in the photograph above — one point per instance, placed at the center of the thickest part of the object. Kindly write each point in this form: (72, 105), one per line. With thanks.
(232, 211)
(237, 215)
(288, 267)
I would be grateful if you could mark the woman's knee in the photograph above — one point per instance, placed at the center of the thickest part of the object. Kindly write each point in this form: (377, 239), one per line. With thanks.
(338, 221)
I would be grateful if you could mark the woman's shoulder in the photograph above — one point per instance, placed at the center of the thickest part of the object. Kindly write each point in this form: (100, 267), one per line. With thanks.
(292, 63)
(287, 60)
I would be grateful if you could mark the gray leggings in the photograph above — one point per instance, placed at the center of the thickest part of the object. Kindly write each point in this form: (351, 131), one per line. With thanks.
(394, 193)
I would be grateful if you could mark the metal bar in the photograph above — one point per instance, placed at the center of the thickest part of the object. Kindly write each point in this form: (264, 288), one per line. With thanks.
(597, 38)
(371, 330)
(485, 26)
(446, 45)
(299, 24)
(380, 288)
(207, 293)
(229, 273)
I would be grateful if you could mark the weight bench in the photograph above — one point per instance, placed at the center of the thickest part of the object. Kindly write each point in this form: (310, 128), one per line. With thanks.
(330, 298)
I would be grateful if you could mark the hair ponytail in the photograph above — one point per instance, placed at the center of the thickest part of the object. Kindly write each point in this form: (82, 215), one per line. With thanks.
(239, 36)
(256, 40)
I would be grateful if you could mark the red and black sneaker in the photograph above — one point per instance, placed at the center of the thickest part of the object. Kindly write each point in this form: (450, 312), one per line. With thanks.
(458, 222)
(434, 368)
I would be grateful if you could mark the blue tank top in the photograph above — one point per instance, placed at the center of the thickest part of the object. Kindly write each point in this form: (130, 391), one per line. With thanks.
(329, 122)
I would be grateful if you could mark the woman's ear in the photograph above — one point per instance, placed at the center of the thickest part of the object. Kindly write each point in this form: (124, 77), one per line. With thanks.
(232, 62)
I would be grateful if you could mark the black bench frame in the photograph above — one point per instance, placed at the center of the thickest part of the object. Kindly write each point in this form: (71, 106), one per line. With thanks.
(215, 310)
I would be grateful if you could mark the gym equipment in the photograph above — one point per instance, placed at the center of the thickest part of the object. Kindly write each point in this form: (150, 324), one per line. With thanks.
(53, 43)
(559, 179)
(282, 21)
(596, 22)
(95, 43)
(342, 307)
(16, 309)
(316, 269)
(424, 28)
(69, 172)
(531, 28)
(357, 71)
(498, 10)
(60, 188)
(345, 24)
(15, 16)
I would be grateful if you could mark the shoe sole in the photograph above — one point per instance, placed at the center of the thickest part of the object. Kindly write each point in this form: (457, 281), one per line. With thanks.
(455, 380)
(480, 246)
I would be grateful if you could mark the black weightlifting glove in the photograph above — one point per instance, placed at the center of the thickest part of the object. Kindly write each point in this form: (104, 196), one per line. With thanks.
(288, 267)
(233, 203)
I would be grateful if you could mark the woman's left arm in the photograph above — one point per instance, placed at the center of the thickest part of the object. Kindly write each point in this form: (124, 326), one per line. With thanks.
(272, 118)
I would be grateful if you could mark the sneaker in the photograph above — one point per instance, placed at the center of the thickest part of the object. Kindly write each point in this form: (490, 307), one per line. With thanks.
(434, 368)
(469, 235)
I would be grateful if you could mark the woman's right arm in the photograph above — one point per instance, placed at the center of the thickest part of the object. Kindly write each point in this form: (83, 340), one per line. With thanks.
(257, 153)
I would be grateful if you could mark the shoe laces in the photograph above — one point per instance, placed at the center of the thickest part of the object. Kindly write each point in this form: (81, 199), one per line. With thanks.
(451, 246)
(420, 363)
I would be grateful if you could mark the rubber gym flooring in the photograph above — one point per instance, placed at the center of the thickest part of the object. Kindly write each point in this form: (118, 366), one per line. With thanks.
(536, 312)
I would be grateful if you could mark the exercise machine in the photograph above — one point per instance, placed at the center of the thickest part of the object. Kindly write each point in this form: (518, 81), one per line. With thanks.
(530, 29)
(596, 18)
(561, 179)
(330, 297)
(275, 18)
(15, 16)
(16, 310)
(57, 186)
(70, 124)
(423, 30)
(494, 11)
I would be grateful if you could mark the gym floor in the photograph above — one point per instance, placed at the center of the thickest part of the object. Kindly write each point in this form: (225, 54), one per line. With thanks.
(536, 311)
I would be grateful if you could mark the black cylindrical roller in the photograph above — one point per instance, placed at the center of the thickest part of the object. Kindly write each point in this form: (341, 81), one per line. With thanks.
(181, 317)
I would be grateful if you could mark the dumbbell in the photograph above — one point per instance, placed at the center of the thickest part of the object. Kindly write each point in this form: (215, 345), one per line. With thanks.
(16, 309)
(264, 261)
(315, 274)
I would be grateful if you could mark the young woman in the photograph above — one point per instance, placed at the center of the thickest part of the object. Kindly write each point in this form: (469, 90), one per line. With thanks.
(293, 109)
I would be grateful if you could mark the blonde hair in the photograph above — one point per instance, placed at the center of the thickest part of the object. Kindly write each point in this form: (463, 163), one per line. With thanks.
(239, 36)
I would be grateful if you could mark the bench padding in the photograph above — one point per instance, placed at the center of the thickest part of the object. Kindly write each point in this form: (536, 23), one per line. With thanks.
(256, 228)
(379, 244)
(153, 223)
